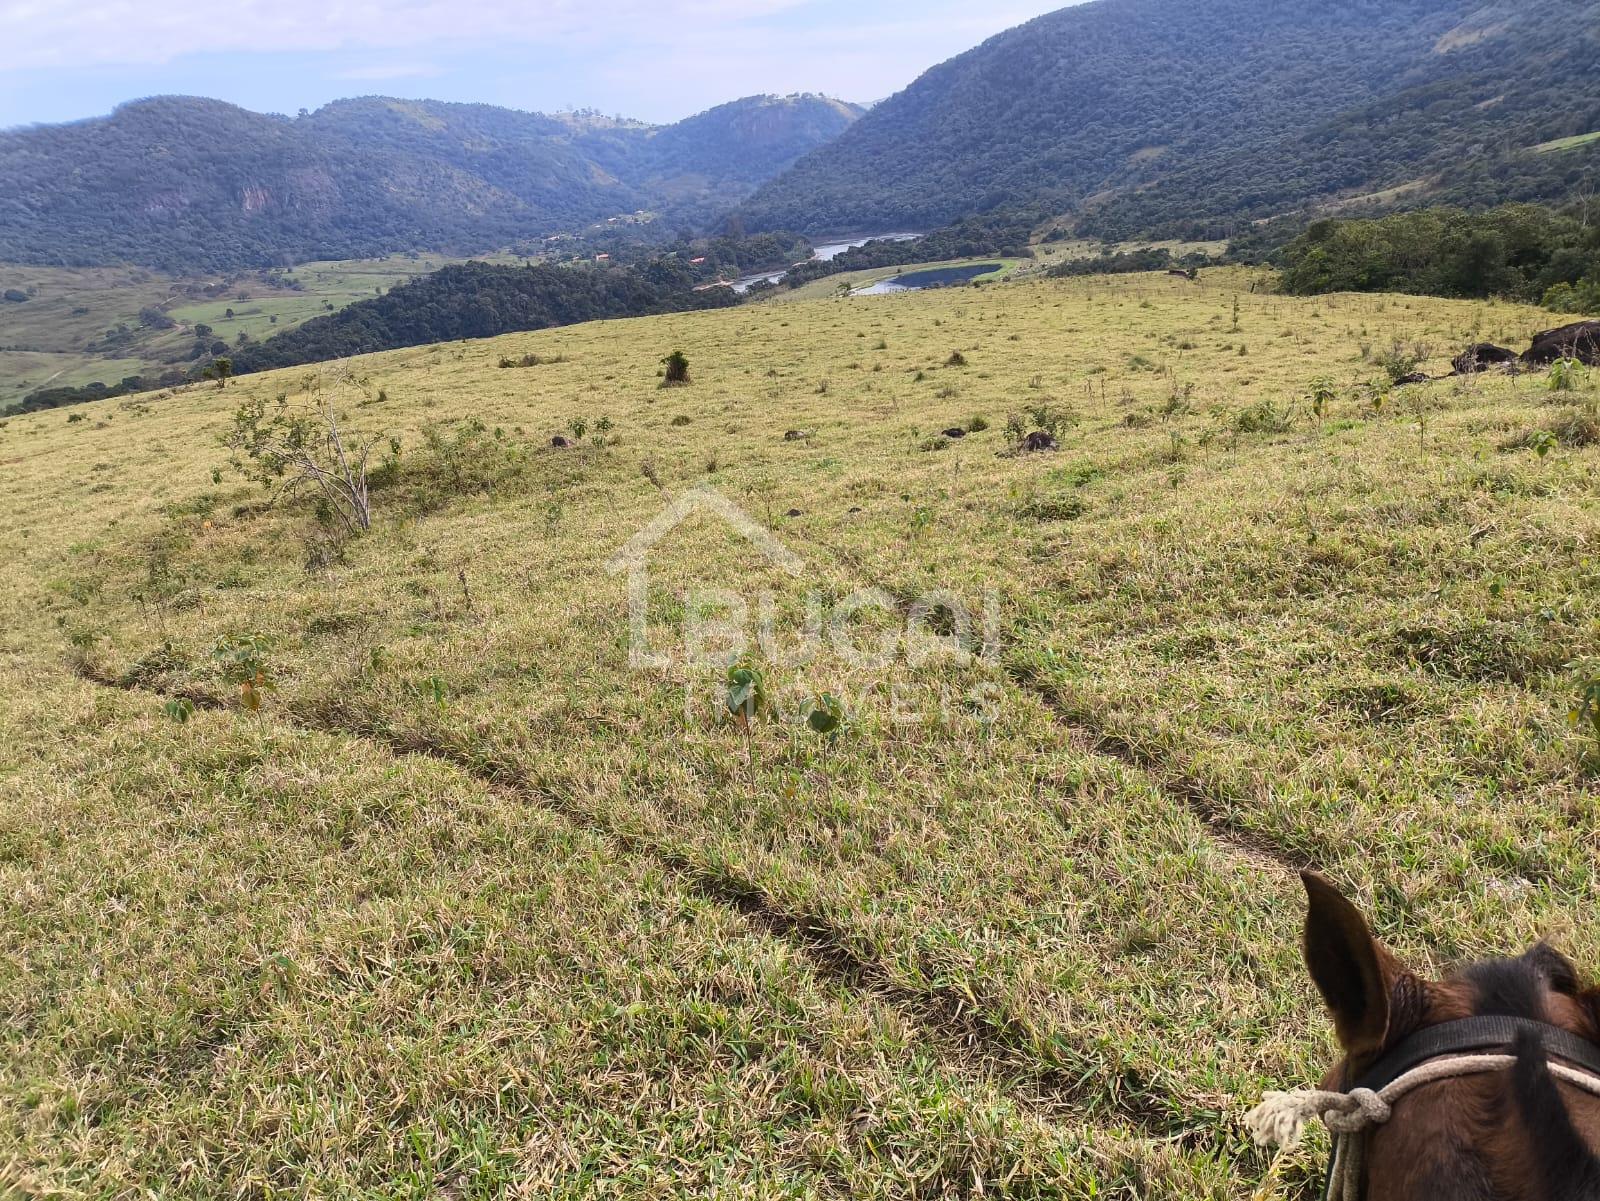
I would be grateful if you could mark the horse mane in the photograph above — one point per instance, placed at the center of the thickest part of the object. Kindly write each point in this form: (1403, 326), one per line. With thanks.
(1570, 1171)
(1557, 1155)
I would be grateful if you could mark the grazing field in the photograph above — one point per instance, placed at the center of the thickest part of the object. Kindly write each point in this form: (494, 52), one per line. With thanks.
(473, 907)
(1050, 254)
(327, 286)
(1572, 143)
(46, 339)
(83, 325)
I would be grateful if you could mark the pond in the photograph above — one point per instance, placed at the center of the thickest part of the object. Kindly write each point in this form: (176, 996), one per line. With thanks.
(824, 252)
(933, 277)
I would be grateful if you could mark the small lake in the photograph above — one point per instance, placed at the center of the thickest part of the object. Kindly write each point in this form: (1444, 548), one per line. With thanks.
(825, 252)
(934, 277)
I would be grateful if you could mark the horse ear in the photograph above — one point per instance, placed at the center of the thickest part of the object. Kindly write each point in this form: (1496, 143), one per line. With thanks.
(1351, 970)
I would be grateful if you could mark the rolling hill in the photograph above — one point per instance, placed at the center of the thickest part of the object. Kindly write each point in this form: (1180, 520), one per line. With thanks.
(471, 907)
(189, 185)
(1195, 117)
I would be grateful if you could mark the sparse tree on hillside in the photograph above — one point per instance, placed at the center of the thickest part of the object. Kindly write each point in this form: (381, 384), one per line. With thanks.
(286, 450)
(220, 370)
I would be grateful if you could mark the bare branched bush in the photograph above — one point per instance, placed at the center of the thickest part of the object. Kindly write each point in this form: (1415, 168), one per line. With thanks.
(292, 448)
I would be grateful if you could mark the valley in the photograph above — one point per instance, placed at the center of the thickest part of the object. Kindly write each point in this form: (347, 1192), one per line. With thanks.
(83, 326)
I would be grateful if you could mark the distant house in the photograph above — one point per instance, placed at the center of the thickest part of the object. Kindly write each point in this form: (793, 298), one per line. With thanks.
(601, 258)
(698, 261)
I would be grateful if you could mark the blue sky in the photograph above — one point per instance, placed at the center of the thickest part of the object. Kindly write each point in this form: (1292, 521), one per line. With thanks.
(655, 59)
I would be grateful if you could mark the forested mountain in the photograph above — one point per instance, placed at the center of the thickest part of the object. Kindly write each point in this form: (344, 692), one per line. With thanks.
(198, 185)
(1195, 117)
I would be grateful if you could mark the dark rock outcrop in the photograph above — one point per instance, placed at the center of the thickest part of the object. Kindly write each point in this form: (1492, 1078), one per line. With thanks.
(1039, 440)
(1580, 341)
(1481, 356)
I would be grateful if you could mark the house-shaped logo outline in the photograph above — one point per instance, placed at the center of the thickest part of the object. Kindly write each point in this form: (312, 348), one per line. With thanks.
(633, 558)
(635, 553)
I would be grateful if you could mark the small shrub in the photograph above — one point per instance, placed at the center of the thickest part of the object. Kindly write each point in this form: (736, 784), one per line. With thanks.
(677, 374)
(179, 710)
(468, 458)
(286, 450)
(1322, 394)
(680, 420)
(1053, 420)
(1264, 417)
(956, 359)
(977, 424)
(747, 698)
(1400, 361)
(824, 714)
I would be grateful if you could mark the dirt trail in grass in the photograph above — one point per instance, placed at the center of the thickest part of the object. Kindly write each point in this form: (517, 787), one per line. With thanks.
(1091, 735)
(968, 1043)
(1193, 794)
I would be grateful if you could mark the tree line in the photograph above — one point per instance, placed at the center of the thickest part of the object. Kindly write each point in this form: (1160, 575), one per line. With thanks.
(1520, 252)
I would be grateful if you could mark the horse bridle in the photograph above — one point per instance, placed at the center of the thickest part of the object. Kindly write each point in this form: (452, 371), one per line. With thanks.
(1463, 1047)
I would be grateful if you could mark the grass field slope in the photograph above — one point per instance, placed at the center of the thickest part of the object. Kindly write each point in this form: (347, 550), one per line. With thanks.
(472, 906)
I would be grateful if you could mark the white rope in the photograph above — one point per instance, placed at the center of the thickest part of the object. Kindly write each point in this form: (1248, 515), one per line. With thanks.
(1280, 1118)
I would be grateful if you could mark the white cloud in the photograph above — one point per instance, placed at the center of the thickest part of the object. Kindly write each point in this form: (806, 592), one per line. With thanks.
(382, 71)
(76, 33)
(657, 59)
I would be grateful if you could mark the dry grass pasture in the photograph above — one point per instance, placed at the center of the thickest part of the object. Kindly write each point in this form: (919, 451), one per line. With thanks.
(472, 908)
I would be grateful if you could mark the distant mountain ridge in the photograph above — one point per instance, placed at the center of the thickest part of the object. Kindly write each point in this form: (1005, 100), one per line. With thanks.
(192, 184)
(1196, 117)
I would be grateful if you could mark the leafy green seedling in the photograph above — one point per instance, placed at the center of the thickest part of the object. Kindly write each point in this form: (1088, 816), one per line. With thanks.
(1323, 393)
(1565, 375)
(179, 709)
(243, 661)
(748, 699)
(824, 714)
